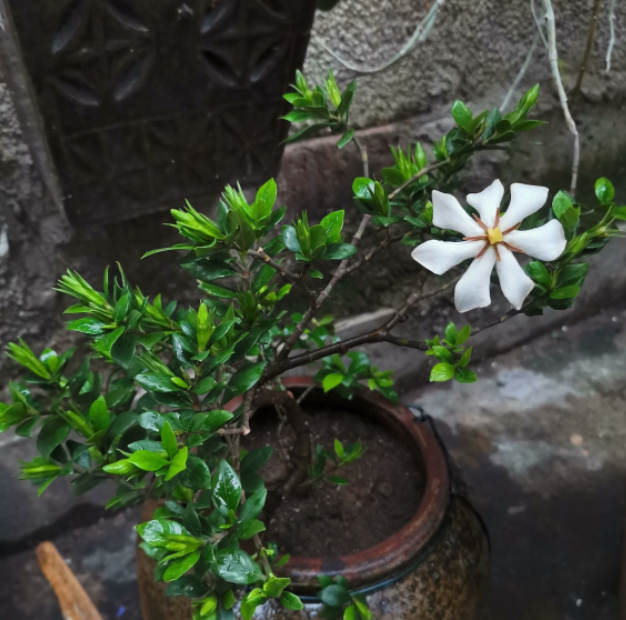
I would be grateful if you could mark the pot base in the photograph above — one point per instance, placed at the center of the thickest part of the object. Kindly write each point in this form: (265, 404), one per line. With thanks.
(447, 584)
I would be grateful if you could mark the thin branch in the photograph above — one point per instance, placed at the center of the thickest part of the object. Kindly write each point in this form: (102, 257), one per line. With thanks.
(385, 243)
(509, 315)
(364, 157)
(522, 71)
(343, 346)
(263, 257)
(591, 35)
(419, 35)
(556, 74)
(378, 335)
(418, 176)
(609, 51)
(414, 299)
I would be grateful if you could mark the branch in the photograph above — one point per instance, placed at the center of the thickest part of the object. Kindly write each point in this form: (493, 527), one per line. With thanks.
(415, 298)
(364, 157)
(509, 315)
(522, 71)
(343, 346)
(591, 35)
(302, 449)
(385, 243)
(419, 35)
(263, 257)
(418, 176)
(378, 335)
(556, 74)
(609, 51)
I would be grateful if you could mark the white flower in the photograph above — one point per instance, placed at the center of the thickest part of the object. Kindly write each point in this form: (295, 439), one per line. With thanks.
(491, 240)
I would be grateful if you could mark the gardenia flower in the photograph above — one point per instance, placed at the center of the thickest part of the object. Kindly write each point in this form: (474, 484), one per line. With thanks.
(491, 240)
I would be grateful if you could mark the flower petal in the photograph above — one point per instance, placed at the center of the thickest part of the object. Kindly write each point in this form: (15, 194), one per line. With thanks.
(515, 284)
(439, 256)
(487, 202)
(472, 291)
(525, 200)
(448, 214)
(545, 243)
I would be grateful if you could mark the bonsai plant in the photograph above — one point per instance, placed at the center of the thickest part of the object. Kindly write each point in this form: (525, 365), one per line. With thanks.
(163, 403)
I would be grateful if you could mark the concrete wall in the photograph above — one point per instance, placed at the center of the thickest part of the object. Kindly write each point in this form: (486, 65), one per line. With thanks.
(473, 53)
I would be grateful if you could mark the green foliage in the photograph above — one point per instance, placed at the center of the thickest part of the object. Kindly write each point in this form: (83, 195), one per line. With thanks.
(151, 405)
(339, 602)
(324, 107)
(452, 355)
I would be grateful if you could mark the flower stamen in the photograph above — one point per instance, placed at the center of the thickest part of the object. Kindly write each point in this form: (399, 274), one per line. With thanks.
(479, 222)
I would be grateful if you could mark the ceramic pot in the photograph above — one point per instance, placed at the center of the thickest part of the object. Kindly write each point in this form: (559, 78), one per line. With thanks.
(434, 568)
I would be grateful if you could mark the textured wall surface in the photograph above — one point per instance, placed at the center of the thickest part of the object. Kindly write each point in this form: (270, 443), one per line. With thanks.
(473, 53)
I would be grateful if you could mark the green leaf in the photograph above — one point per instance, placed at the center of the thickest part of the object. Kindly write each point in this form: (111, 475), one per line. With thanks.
(561, 203)
(253, 506)
(442, 372)
(333, 224)
(306, 132)
(350, 613)
(180, 566)
(619, 213)
(337, 480)
(463, 335)
(123, 350)
(151, 421)
(218, 291)
(148, 461)
(274, 586)
(155, 382)
(266, 198)
(361, 605)
(567, 292)
(52, 434)
(99, 415)
(88, 326)
(237, 567)
(339, 251)
(226, 489)
(331, 381)
(168, 439)
(250, 528)
(179, 463)
(291, 601)
(572, 274)
(463, 375)
(210, 421)
(121, 308)
(246, 377)
(290, 239)
(346, 139)
(335, 596)
(157, 530)
(604, 190)
(461, 114)
(538, 272)
(339, 450)
(262, 277)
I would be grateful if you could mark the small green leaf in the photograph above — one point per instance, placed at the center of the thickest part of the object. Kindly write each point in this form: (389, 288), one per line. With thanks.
(291, 601)
(461, 114)
(99, 414)
(246, 377)
(463, 375)
(331, 381)
(604, 190)
(442, 372)
(250, 528)
(339, 251)
(274, 586)
(567, 292)
(88, 326)
(346, 139)
(253, 505)
(179, 463)
(168, 439)
(180, 566)
(237, 567)
(226, 488)
(148, 461)
(53, 433)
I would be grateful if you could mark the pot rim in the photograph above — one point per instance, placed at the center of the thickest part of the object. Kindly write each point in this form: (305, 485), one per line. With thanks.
(378, 563)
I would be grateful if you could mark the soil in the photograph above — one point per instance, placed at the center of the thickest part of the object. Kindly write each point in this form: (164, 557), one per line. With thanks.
(384, 488)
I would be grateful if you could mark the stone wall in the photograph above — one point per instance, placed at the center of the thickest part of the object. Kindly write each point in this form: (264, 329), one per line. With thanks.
(473, 53)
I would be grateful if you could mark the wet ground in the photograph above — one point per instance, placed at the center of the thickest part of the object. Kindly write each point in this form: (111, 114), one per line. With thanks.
(541, 440)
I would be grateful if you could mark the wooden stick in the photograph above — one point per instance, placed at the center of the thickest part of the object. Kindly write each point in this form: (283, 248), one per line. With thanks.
(74, 602)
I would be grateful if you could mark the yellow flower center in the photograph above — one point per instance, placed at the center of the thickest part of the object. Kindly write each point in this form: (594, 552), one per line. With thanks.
(495, 235)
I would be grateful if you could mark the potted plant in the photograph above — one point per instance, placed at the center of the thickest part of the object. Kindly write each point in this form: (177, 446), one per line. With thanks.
(189, 409)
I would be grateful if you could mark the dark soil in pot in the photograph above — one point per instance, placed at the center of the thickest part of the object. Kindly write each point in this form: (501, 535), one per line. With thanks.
(384, 487)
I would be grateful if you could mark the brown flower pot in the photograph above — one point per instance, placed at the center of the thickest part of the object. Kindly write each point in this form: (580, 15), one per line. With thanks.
(434, 568)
